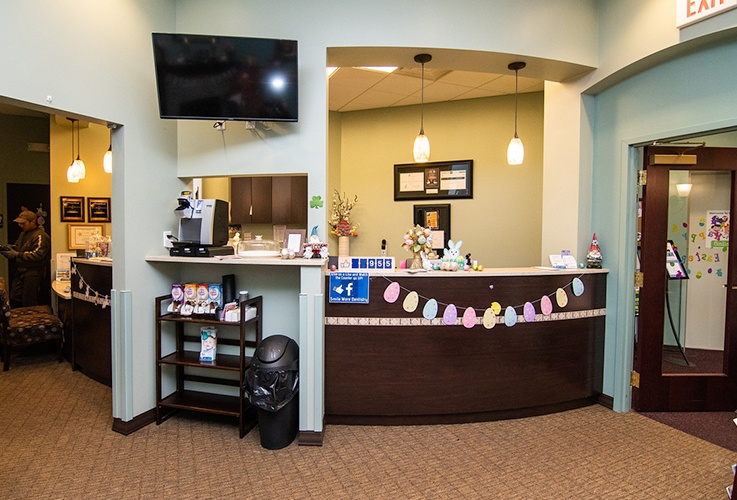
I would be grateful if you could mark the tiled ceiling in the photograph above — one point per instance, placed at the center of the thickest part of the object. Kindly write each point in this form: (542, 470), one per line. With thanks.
(353, 89)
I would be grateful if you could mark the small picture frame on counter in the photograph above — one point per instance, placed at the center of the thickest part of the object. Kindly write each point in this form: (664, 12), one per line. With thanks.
(294, 239)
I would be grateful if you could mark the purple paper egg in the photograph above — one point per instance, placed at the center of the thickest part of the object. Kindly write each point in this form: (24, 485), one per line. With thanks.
(450, 315)
(529, 312)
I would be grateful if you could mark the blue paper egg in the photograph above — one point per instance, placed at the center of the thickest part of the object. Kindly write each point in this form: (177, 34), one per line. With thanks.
(577, 287)
(510, 316)
(430, 311)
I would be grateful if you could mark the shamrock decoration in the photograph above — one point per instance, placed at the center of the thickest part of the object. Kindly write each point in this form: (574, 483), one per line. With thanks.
(316, 202)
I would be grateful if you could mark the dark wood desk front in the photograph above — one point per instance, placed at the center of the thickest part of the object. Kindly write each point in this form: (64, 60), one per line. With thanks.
(384, 365)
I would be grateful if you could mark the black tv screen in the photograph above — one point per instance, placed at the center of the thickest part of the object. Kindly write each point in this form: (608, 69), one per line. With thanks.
(204, 77)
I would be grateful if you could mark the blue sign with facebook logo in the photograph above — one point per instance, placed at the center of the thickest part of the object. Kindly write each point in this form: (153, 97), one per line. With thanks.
(349, 288)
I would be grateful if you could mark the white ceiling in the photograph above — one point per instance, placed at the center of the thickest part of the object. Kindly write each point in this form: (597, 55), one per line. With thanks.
(353, 89)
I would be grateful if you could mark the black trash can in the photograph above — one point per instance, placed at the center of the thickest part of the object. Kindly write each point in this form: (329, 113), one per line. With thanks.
(272, 383)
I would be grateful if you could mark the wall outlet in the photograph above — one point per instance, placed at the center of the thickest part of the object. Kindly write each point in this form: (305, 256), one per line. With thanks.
(167, 241)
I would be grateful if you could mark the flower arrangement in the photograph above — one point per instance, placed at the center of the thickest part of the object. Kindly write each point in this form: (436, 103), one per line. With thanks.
(418, 239)
(340, 216)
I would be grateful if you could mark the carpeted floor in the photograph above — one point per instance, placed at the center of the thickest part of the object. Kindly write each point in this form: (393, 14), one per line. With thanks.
(56, 442)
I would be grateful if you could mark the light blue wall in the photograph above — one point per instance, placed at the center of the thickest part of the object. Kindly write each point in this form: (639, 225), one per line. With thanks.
(693, 94)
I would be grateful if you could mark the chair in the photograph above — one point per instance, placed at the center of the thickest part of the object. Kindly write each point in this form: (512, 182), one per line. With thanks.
(24, 326)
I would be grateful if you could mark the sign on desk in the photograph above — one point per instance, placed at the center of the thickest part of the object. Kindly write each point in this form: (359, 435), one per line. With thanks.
(349, 288)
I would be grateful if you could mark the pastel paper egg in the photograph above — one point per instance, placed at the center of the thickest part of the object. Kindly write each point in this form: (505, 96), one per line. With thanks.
(469, 317)
(496, 307)
(546, 305)
(529, 312)
(391, 294)
(450, 315)
(411, 302)
(561, 297)
(430, 311)
(489, 320)
(510, 316)
(577, 287)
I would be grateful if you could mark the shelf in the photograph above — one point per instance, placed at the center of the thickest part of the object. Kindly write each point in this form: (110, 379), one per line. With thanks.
(192, 358)
(203, 401)
(183, 361)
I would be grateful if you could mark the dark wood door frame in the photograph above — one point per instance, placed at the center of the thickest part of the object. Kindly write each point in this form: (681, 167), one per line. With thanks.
(679, 392)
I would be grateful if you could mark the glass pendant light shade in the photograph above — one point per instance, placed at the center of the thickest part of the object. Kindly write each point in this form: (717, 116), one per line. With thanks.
(81, 171)
(107, 161)
(422, 148)
(72, 174)
(515, 151)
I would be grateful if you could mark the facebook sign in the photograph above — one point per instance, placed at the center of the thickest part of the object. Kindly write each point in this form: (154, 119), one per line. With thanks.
(349, 288)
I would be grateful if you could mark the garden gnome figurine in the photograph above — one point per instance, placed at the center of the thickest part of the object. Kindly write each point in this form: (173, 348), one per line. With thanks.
(593, 258)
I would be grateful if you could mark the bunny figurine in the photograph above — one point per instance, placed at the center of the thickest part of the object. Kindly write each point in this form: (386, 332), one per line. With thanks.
(452, 258)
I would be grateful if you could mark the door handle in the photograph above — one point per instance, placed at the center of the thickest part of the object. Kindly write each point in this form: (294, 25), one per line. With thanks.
(734, 287)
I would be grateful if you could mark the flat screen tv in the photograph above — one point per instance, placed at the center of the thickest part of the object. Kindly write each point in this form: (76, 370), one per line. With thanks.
(204, 77)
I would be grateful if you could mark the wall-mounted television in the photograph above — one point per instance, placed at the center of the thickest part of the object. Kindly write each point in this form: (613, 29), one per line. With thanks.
(207, 77)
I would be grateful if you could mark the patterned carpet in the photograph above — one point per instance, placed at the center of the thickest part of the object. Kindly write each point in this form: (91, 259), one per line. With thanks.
(56, 443)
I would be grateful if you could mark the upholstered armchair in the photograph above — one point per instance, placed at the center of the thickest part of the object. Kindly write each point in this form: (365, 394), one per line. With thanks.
(25, 326)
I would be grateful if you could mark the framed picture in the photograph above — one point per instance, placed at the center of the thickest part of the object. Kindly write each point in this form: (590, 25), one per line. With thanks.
(72, 208)
(437, 219)
(294, 239)
(80, 233)
(433, 180)
(98, 209)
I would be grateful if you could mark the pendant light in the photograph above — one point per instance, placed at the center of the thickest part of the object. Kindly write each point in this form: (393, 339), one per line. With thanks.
(422, 143)
(79, 164)
(107, 160)
(516, 150)
(71, 169)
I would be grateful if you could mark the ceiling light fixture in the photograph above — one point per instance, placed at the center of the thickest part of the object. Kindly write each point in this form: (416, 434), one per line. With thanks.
(107, 159)
(72, 169)
(516, 150)
(422, 143)
(78, 164)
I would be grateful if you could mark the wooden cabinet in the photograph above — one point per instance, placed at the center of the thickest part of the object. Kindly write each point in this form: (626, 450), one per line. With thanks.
(189, 371)
(268, 200)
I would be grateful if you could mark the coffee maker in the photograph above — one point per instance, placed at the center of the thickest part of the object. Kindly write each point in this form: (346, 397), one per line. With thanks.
(203, 227)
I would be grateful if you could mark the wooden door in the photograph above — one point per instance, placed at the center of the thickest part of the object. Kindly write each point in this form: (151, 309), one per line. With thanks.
(693, 389)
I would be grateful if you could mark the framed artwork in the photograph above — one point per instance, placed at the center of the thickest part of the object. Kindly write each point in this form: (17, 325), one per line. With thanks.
(98, 210)
(437, 219)
(72, 208)
(294, 239)
(433, 180)
(79, 234)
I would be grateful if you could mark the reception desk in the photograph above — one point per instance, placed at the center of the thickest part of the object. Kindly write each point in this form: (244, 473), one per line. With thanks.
(90, 336)
(384, 365)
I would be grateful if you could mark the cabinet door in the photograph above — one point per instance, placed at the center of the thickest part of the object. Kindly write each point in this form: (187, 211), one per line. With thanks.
(289, 200)
(261, 212)
(240, 200)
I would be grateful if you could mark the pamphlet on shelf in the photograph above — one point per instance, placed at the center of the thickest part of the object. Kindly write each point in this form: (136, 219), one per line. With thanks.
(563, 261)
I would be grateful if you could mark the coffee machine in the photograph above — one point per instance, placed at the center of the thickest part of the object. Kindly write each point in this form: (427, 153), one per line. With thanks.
(203, 227)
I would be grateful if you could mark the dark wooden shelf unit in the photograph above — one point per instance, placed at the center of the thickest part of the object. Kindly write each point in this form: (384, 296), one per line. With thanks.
(249, 335)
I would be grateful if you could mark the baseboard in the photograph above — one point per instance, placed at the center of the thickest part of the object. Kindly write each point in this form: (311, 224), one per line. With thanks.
(606, 401)
(138, 422)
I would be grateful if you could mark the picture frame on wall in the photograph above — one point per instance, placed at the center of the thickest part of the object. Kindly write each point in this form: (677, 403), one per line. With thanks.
(98, 210)
(72, 208)
(433, 180)
(79, 234)
(437, 219)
